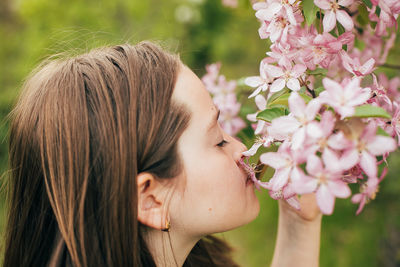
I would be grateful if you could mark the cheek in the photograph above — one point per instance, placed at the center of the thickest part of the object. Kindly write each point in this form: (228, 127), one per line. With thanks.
(215, 195)
(219, 178)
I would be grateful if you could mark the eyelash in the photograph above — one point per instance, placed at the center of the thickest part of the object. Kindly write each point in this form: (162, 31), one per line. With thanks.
(222, 143)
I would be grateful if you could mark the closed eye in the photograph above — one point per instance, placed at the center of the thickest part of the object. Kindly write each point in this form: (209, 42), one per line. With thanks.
(222, 143)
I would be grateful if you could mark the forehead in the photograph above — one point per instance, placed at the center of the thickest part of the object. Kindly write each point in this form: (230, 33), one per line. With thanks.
(189, 89)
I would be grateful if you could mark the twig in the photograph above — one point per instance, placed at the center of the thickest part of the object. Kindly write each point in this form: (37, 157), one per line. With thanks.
(260, 170)
(390, 66)
(312, 92)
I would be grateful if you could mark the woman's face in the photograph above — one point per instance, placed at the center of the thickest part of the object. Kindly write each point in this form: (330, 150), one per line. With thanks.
(212, 194)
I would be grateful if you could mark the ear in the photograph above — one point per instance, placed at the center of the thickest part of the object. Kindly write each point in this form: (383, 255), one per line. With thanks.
(151, 201)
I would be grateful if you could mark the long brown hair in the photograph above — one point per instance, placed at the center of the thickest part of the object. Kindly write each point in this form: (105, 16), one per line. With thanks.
(81, 131)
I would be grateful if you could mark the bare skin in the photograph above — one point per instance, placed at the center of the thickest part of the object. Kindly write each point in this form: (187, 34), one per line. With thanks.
(211, 194)
(298, 239)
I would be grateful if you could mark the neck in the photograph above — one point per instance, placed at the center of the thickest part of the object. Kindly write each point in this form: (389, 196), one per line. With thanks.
(168, 249)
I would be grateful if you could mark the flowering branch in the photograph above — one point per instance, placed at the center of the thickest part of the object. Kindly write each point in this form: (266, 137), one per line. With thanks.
(333, 138)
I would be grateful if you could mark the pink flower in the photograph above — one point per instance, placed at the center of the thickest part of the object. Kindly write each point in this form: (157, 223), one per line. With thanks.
(265, 141)
(325, 181)
(391, 86)
(282, 54)
(389, 11)
(329, 142)
(261, 82)
(333, 13)
(368, 191)
(229, 116)
(278, 29)
(243, 163)
(285, 162)
(286, 77)
(211, 76)
(395, 122)
(287, 193)
(323, 49)
(344, 97)
(277, 18)
(261, 104)
(224, 98)
(299, 123)
(271, 10)
(230, 3)
(369, 145)
(380, 96)
(354, 66)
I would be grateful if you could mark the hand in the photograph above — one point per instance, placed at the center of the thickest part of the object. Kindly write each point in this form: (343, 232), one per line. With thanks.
(299, 232)
(309, 210)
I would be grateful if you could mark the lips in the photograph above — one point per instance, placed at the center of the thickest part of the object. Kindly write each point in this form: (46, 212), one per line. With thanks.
(250, 175)
(249, 180)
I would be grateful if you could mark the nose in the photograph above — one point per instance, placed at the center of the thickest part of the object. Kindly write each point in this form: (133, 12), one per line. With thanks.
(239, 148)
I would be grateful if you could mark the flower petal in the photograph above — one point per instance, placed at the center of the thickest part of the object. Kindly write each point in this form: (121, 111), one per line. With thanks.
(314, 130)
(252, 117)
(323, 4)
(283, 126)
(327, 123)
(253, 81)
(332, 87)
(306, 186)
(314, 165)
(368, 164)
(273, 159)
(338, 141)
(274, 8)
(331, 161)
(298, 138)
(293, 202)
(381, 145)
(356, 198)
(293, 84)
(345, 2)
(339, 189)
(329, 21)
(277, 85)
(280, 178)
(255, 92)
(345, 20)
(345, 111)
(349, 159)
(261, 102)
(253, 150)
(260, 127)
(368, 66)
(298, 69)
(312, 108)
(325, 199)
(362, 96)
(274, 71)
(297, 105)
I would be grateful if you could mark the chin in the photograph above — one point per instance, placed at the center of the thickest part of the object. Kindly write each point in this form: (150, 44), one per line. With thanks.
(250, 214)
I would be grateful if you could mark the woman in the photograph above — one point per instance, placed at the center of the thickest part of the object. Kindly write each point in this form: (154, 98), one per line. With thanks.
(117, 159)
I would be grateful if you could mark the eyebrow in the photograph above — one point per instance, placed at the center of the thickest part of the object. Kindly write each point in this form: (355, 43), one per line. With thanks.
(214, 120)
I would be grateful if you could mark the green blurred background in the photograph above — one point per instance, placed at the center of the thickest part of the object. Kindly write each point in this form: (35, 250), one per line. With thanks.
(202, 32)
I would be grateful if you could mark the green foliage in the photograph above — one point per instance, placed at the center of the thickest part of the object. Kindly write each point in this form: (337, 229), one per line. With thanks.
(309, 11)
(269, 114)
(380, 131)
(283, 99)
(368, 111)
(317, 71)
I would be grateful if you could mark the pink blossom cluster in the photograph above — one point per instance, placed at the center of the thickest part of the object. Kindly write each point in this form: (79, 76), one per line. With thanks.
(319, 100)
(230, 3)
(224, 97)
